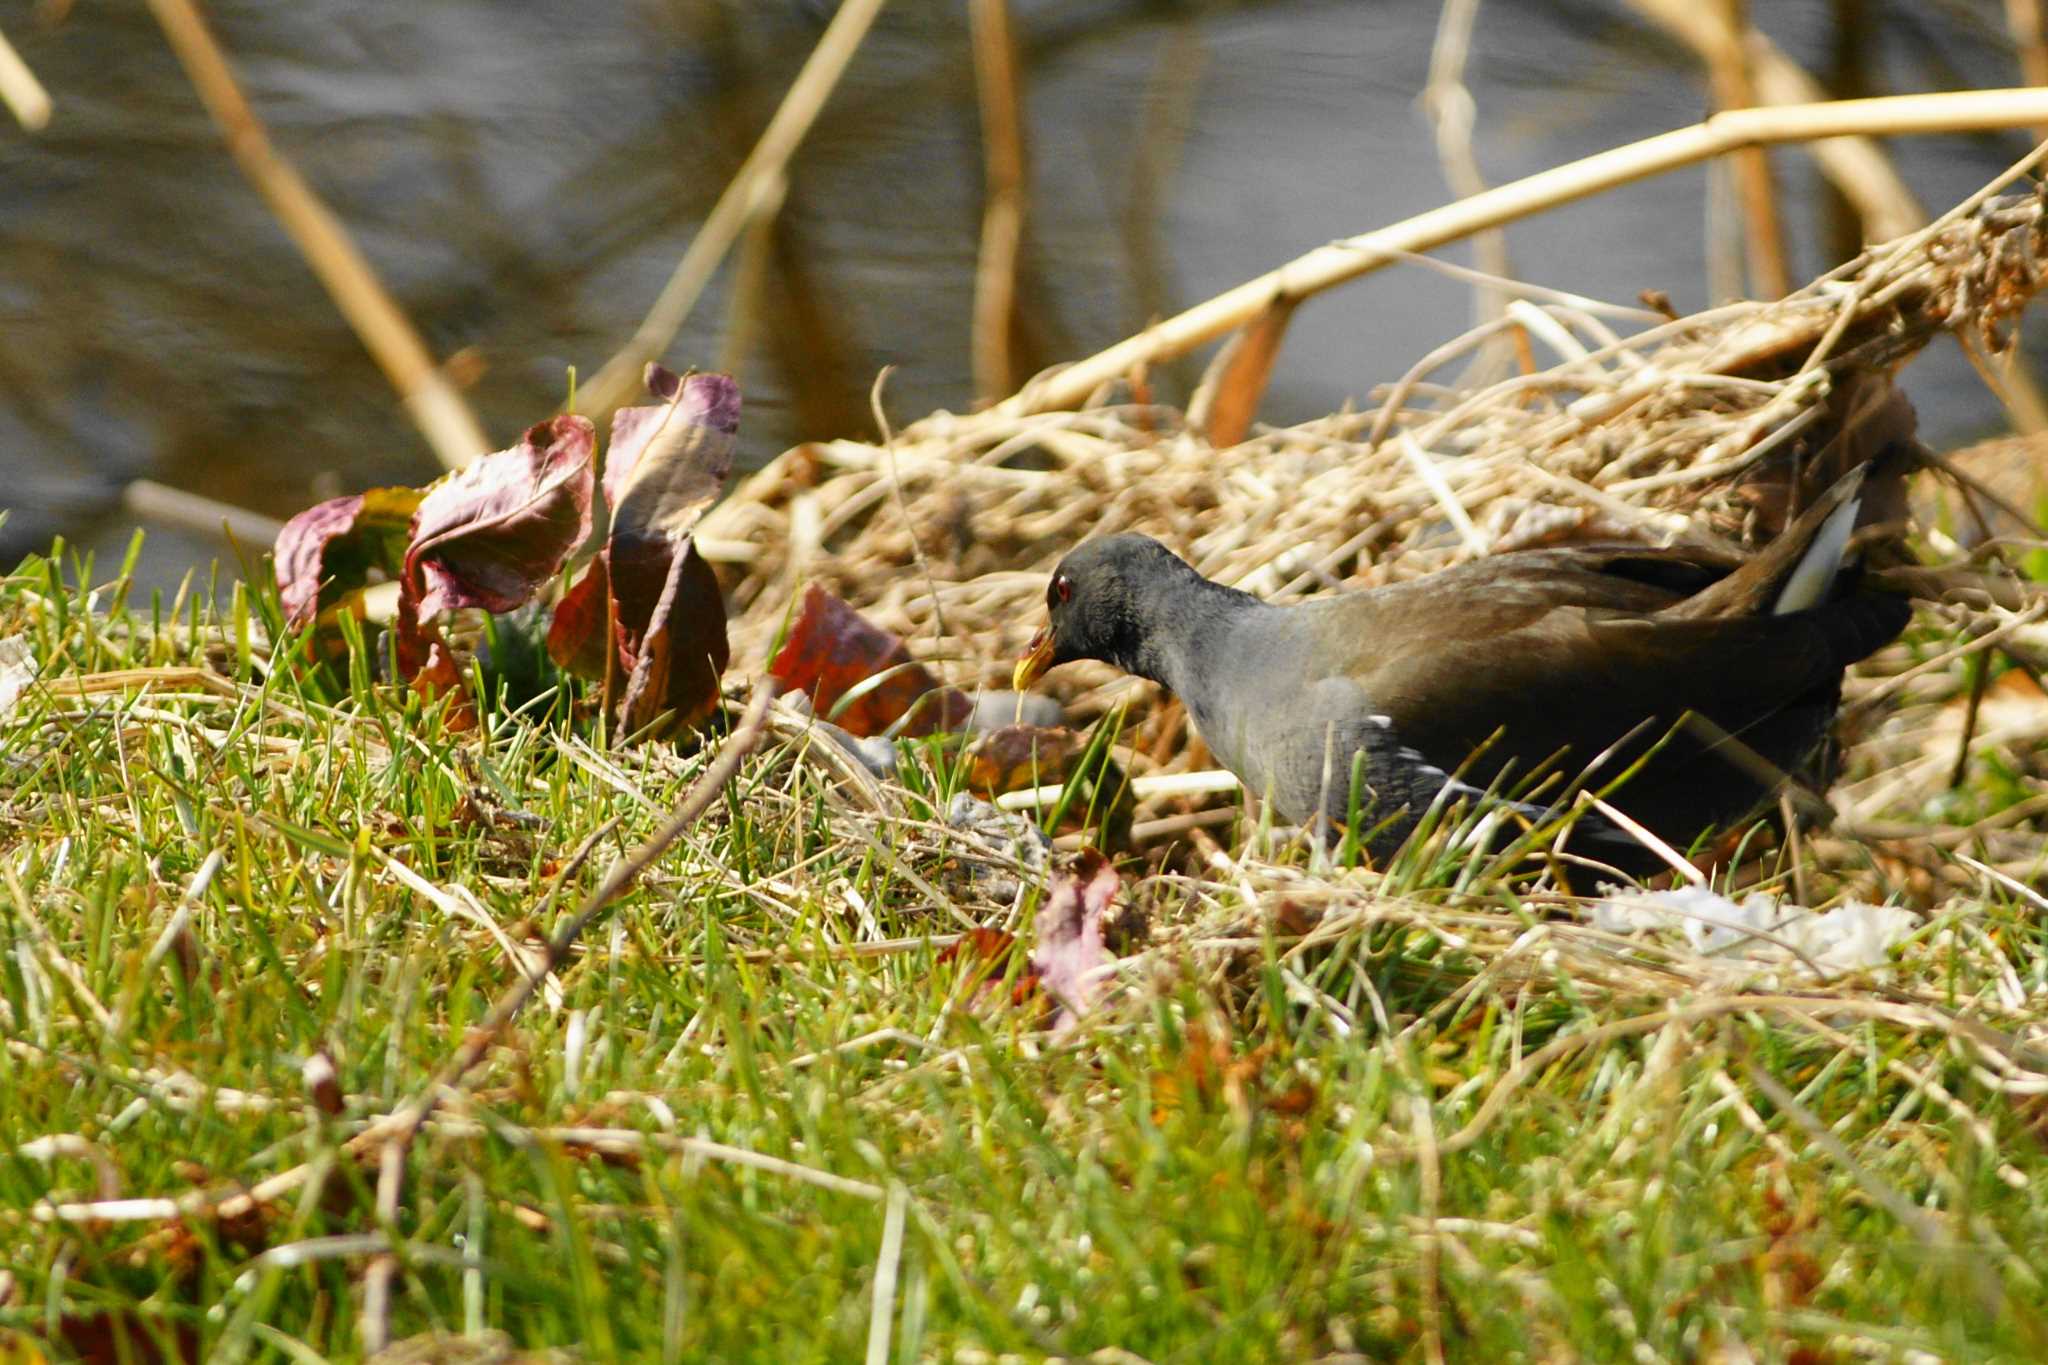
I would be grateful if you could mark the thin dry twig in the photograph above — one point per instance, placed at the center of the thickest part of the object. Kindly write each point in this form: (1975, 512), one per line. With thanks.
(617, 880)
(395, 1132)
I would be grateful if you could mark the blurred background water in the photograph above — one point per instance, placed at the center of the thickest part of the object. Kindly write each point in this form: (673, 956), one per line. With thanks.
(524, 177)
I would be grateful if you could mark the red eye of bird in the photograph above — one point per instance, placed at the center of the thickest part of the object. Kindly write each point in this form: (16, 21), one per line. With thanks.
(1063, 587)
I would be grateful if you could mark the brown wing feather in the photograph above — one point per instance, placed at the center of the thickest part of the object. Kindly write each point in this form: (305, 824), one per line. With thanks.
(1581, 646)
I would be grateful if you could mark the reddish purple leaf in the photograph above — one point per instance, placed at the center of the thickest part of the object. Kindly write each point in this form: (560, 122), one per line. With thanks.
(665, 466)
(490, 534)
(328, 551)
(683, 650)
(425, 661)
(987, 953)
(832, 650)
(576, 635)
(1071, 962)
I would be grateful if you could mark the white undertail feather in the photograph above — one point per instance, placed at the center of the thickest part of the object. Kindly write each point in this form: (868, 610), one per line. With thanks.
(1810, 581)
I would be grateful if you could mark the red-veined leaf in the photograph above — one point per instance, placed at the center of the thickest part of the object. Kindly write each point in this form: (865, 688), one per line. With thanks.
(491, 533)
(329, 550)
(665, 466)
(858, 675)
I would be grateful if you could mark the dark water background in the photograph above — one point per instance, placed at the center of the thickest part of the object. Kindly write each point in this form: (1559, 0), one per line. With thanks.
(525, 175)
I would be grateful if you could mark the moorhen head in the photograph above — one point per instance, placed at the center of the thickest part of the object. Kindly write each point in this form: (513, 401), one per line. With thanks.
(1107, 599)
(1720, 674)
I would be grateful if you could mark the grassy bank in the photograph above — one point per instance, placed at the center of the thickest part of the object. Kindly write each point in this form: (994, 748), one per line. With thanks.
(755, 1115)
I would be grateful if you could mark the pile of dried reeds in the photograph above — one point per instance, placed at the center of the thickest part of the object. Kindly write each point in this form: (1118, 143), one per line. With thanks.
(1649, 434)
(1646, 427)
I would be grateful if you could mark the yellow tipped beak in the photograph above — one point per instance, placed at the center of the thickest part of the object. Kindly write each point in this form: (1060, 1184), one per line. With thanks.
(1037, 657)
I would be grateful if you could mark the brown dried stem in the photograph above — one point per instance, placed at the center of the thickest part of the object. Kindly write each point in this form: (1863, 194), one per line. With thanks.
(2030, 41)
(433, 403)
(1328, 266)
(20, 91)
(738, 204)
(1000, 88)
(1728, 67)
(1856, 166)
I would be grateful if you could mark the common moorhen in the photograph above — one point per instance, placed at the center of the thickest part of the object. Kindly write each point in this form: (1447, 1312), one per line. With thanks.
(1572, 661)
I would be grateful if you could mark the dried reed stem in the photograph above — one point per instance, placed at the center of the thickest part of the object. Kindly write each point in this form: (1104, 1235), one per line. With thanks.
(433, 403)
(1448, 102)
(1856, 166)
(20, 91)
(1000, 88)
(148, 500)
(750, 278)
(738, 204)
(1327, 266)
(1728, 70)
(2030, 42)
(1170, 91)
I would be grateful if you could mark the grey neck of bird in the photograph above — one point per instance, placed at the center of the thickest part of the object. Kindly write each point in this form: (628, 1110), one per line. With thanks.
(1184, 624)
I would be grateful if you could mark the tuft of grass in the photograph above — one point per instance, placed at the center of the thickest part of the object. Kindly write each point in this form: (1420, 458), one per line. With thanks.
(1321, 1114)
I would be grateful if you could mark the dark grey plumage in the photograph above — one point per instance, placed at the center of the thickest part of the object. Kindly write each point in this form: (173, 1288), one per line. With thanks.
(1540, 660)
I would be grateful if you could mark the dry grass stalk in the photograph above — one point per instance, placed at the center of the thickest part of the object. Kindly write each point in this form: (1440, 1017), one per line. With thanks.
(20, 91)
(433, 403)
(1331, 265)
(999, 86)
(756, 181)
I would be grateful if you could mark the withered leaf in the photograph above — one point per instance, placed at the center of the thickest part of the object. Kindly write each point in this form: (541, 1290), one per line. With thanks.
(490, 534)
(1072, 961)
(425, 661)
(1018, 757)
(328, 551)
(1237, 382)
(665, 466)
(833, 651)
